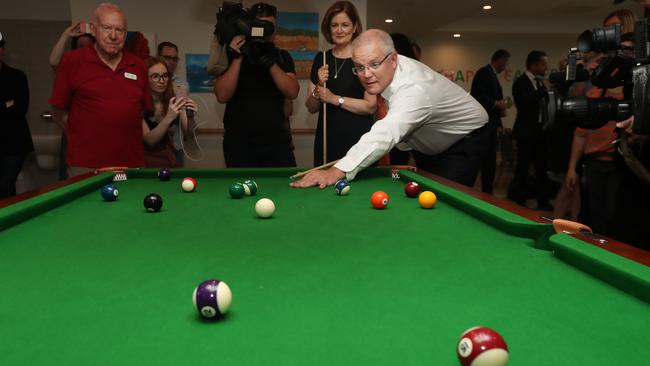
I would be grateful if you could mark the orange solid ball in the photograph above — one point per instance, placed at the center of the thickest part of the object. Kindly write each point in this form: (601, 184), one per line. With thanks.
(379, 200)
(427, 199)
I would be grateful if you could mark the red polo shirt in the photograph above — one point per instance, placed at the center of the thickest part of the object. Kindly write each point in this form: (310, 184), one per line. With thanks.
(105, 108)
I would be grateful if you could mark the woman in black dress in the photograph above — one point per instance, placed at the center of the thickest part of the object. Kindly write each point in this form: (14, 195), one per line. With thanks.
(349, 108)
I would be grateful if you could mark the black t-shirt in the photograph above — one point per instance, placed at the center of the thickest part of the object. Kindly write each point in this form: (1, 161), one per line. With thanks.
(344, 128)
(256, 110)
(15, 137)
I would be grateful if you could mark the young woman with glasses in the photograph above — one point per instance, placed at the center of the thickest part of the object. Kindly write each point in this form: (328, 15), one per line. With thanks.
(159, 150)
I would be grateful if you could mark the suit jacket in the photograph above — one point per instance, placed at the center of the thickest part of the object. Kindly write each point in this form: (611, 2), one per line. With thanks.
(527, 100)
(486, 89)
(15, 138)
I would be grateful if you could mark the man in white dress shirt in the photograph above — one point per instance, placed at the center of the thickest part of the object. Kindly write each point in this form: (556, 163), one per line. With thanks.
(427, 113)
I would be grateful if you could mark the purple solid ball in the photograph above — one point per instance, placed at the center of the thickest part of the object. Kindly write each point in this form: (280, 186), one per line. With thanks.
(164, 174)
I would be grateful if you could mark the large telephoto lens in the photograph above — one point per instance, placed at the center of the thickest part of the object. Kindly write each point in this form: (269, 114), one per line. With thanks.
(585, 112)
(600, 39)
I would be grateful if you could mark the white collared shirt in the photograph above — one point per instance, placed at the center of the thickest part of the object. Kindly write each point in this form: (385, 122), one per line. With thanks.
(426, 112)
(533, 78)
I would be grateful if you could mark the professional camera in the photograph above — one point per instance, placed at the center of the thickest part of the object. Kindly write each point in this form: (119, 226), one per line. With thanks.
(621, 65)
(233, 19)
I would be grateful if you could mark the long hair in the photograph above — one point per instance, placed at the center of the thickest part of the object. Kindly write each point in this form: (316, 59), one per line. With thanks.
(169, 92)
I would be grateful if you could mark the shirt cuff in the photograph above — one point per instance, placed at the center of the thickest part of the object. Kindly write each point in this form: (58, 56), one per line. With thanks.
(349, 167)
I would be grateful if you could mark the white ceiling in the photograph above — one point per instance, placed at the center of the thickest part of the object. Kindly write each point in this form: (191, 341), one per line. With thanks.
(417, 18)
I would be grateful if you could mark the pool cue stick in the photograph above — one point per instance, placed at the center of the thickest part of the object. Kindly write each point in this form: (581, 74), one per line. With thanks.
(324, 121)
(298, 175)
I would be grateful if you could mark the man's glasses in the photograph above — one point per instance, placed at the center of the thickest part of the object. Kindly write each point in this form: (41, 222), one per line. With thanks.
(170, 58)
(158, 77)
(360, 69)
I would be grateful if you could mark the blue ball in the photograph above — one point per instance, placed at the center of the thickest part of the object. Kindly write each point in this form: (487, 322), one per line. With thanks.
(342, 187)
(110, 192)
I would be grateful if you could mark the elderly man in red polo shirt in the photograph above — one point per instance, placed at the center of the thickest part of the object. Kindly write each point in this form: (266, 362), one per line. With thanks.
(99, 97)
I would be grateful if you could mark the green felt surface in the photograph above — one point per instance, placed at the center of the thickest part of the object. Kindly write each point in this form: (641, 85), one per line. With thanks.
(327, 280)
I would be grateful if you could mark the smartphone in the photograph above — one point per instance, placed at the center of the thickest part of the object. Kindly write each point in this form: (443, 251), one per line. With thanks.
(84, 27)
(180, 90)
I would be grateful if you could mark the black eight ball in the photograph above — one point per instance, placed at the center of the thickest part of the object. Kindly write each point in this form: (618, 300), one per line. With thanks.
(153, 202)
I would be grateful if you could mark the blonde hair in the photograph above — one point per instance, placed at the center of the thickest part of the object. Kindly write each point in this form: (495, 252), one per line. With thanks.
(627, 17)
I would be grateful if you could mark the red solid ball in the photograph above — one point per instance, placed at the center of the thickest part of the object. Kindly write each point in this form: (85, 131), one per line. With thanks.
(412, 189)
(482, 346)
(379, 200)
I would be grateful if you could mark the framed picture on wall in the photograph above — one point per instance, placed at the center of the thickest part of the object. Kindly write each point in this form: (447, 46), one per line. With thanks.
(298, 34)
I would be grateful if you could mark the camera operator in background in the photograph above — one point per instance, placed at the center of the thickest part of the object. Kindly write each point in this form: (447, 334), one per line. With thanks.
(254, 86)
(591, 152)
(596, 147)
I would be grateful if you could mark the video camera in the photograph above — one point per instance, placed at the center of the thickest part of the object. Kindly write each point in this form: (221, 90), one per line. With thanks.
(623, 65)
(233, 19)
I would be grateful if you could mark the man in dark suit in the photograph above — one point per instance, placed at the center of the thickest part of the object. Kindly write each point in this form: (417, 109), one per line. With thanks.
(532, 142)
(486, 89)
(15, 138)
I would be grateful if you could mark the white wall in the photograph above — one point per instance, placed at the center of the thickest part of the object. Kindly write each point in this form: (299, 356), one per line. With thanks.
(190, 24)
(35, 10)
(473, 50)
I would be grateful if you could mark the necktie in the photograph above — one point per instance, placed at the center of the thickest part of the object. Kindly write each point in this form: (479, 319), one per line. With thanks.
(382, 110)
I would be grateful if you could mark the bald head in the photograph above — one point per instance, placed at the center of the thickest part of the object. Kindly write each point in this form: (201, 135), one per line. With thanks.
(104, 9)
(109, 28)
(374, 38)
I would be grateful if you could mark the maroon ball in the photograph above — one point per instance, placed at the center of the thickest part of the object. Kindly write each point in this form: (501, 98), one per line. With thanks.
(482, 346)
(412, 189)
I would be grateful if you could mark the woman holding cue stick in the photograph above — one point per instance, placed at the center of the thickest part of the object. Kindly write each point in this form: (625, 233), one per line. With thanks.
(345, 109)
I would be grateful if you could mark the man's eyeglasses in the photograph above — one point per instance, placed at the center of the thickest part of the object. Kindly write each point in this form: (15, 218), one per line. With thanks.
(158, 77)
(170, 58)
(360, 69)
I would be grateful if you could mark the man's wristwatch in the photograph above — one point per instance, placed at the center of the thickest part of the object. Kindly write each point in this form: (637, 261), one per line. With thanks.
(341, 101)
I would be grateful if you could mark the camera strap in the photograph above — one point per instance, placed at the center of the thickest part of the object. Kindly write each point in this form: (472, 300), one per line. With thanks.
(631, 160)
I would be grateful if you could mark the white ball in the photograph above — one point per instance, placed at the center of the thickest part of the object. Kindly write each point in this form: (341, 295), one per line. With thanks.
(188, 185)
(264, 208)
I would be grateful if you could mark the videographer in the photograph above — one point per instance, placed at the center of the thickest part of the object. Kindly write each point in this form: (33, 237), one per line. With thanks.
(254, 88)
(595, 147)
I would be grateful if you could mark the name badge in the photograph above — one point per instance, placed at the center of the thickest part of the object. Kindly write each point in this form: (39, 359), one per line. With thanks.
(128, 75)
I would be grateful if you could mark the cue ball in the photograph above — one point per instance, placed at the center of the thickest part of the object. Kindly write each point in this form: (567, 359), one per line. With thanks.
(379, 200)
(164, 174)
(153, 202)
(188, 184)
(109, 192)
(482, 346)
(412, 189)
(212, 299)
(342, 187)
(427, 199)
(264, 208)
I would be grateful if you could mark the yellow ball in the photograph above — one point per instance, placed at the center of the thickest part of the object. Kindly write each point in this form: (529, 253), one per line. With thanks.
(427, 199)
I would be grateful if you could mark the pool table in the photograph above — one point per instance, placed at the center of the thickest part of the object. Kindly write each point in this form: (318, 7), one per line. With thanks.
(328, 280)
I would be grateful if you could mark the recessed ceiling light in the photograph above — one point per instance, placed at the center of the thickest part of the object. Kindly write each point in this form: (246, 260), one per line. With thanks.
(388, 20)
(456, 35)
(487, 7)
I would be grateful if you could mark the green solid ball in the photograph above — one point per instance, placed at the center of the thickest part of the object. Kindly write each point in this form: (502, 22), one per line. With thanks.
(236, 190)
(252, 187)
